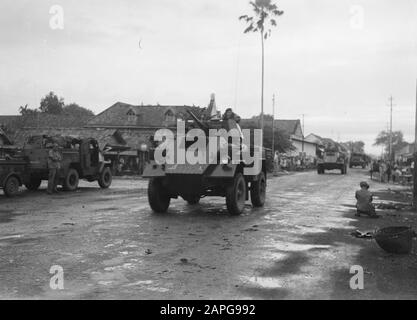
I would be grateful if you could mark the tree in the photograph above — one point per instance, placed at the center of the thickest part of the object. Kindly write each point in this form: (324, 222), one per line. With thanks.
(52, 104)
(262, 22)
(26, 111)
(398, 141)
(77, 111)
(282, 141)
(356, 146)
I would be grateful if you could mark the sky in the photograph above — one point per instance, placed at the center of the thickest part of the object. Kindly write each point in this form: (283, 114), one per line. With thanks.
(336, 62)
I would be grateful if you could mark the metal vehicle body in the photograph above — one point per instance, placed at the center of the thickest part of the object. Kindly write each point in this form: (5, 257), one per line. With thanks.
(12, 175)
(332, 157)
(12, 166)
(357, 160)
(195, 181)
(81, 159)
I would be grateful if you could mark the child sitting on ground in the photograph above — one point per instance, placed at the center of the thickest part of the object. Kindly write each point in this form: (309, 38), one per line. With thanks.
(364, 201)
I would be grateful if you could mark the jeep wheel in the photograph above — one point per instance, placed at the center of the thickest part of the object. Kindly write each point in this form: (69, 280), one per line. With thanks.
(236, 195)
(105, 179)
(258, 191)
(34, 183)
(11, 187)
(71, 180)
(157, 196)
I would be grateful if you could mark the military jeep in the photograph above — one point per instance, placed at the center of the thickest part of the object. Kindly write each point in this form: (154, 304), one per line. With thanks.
(192, 182)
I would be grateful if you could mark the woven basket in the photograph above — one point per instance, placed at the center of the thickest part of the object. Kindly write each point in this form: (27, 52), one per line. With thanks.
(395, 239)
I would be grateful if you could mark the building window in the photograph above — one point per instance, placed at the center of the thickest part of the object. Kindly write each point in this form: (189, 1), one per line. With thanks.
(169, 116)
(131, 116)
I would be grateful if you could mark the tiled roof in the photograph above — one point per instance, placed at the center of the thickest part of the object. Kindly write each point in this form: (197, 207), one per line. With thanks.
(287, 126)
(120, 115)
(42, 120)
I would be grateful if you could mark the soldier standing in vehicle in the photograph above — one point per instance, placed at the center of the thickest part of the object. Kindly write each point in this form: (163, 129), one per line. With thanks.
(54, 164)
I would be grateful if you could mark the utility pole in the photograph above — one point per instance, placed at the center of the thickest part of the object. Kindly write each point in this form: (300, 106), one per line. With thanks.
(390, 131)
(273, 126)
(302, 146)
(415, 160)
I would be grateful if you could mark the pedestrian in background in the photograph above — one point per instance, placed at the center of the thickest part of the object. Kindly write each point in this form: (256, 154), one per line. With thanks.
(54, 164)
(374, 168)
(382, 169)
(388, 172)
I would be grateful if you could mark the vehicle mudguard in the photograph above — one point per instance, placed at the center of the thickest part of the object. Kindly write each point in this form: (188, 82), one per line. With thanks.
(152, 170)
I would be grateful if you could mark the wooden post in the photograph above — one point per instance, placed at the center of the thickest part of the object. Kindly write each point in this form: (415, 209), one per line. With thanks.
(415, 160)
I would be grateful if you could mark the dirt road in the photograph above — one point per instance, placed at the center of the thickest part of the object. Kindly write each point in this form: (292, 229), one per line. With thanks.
(110, 245)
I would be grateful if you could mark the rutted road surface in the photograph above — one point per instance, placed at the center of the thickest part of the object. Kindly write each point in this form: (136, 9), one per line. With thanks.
(111, 246)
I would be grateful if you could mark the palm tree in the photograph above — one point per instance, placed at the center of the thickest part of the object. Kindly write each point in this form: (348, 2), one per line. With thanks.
(262, 21)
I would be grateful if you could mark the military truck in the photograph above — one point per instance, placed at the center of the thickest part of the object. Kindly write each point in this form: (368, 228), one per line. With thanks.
(12, 167)
(195, 181)
(357, 160)
(81, 159)
(12, 175)
(332, 156)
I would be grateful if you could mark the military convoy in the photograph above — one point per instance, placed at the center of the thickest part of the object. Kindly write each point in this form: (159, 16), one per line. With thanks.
(193, 182)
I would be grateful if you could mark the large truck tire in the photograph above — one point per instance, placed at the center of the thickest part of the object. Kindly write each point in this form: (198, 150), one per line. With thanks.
(105, 179)
(157, 196)
(236, 195)
(71, 180)
(11, 187)
(258, 191)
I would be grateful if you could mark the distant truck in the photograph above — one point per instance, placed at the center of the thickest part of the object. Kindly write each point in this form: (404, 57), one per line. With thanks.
(81, 159)
(332, 156)
(357, 160)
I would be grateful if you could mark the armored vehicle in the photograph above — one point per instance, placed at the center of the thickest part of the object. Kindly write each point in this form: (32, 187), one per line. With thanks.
(357, 160)
(81, 159)
(332, 156)
(224, 178)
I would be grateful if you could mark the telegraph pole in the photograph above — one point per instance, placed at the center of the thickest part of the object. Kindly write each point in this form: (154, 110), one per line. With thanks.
(390, 131)
(273, 126)
(302, 146)
(415, 159)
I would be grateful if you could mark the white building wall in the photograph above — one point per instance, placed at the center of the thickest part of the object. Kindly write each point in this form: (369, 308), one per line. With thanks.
(309, 148)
